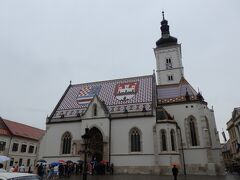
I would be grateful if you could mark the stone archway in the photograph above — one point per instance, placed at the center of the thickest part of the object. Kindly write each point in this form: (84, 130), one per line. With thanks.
(96, 144)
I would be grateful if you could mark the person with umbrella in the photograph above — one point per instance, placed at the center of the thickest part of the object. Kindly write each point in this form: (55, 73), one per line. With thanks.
(1, 168)
(175, 171)
(3, 159)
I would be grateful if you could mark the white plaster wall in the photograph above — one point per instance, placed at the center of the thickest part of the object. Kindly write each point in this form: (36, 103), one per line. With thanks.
(54, 134)
(7, 140)
(133, 160)
(21, 141)
(168, 127)
(120, 144)
(173, 52)
(198, 154)
(213, 128)
(217, 156)
(42, 145)
(195, 156)
(169, 160)
(89, 112)
(23, 155)
(180, 113)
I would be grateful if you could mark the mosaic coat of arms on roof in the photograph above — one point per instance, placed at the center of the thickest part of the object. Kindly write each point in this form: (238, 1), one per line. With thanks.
(133, 94)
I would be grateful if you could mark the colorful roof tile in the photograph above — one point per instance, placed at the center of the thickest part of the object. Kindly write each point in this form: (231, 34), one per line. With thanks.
(175, 92)
(133, 94)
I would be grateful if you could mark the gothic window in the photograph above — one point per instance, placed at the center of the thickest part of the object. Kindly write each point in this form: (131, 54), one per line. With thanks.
(66, 143)
(173, 142)
(163, 140)
(193, 134)
(94, 109)
(135, 140)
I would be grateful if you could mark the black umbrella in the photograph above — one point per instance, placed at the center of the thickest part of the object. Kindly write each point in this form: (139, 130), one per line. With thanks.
(42, 161)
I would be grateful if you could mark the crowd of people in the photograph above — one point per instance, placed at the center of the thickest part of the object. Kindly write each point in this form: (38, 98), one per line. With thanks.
(66, 169)
(62, 169)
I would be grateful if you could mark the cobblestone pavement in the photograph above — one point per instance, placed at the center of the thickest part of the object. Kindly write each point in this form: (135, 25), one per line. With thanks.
(153, 177)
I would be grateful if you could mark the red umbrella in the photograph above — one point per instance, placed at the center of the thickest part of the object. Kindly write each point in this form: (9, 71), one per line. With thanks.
(61, 161)
(103, 162)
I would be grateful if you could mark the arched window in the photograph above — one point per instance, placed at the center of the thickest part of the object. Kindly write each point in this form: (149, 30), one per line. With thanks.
(173, 142)
(135, 140)
(66, 143)
(94, 109)
(163, 140)
(193, 132)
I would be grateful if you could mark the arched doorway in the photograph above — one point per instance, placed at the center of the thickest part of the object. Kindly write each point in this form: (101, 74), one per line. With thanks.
(96, 144)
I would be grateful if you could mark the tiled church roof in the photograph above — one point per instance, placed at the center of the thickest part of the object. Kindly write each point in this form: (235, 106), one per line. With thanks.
(175, 92)
(133, 94)
(22, 130)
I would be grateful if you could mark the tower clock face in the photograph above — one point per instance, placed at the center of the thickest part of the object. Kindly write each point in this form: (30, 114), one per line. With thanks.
(168, 65)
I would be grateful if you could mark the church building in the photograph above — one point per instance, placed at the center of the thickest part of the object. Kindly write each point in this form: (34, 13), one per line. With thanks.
(143, 124)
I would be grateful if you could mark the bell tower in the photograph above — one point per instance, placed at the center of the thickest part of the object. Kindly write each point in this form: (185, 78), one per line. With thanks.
(168, 57)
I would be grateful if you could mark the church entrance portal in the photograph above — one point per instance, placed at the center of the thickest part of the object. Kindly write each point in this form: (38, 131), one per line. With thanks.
(96, 144)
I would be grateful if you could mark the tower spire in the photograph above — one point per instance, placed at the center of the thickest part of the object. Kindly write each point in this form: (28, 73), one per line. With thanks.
(165, 39)
(163, 15)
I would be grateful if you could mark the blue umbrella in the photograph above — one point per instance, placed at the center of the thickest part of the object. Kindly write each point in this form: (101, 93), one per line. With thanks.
(54, 163)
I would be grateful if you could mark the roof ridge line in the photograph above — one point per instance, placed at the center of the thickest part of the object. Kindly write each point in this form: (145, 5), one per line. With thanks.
(113, 80)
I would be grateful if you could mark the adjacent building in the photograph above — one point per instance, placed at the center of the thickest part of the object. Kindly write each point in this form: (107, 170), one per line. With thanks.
(233, 128)
(19, 142)
(141, 124)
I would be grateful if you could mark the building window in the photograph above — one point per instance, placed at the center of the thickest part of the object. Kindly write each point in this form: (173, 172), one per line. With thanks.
(170, 77)
(168, 63)
(163, 140)
(135, 140)
(66, 143)
(2, 145)
(173, 142)
(15, 147)
(28, 162)
(30, 149)
(24, 148)
(94, 109)
(11, 162)
(193, 132)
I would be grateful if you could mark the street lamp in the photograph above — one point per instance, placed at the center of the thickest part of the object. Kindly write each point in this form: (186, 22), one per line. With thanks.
(86, 137)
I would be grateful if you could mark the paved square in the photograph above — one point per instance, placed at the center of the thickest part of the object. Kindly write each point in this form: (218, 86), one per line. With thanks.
(154, 177)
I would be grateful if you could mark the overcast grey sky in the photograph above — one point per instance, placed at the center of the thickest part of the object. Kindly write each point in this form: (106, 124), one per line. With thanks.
(45, 44)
